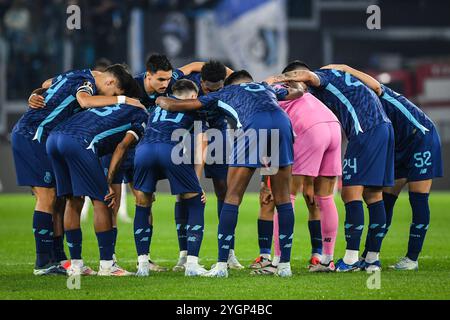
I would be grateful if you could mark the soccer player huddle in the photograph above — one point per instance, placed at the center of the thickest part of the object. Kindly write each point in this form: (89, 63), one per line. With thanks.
(87, 132)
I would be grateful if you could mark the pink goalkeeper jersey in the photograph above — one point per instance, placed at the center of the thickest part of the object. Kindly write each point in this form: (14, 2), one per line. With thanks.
(306, 112)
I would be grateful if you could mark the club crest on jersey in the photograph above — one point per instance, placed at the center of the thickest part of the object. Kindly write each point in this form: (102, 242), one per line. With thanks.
(48, 177)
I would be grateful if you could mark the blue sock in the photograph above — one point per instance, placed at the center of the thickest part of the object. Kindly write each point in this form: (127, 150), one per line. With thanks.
(219, 210)
(43, 236)
(58, 249)
(377, 226)
(106, 244)
(219, 207)
(354, 224)
(389, 203)
(286, 230)
(315, 232)
(195, 224)
(74, 242)
(227, 226)
(142, 230)
(181, 215)
(419, 225)
(115, 231)
(265, 234)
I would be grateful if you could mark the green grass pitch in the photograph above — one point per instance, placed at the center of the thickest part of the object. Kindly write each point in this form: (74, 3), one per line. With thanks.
(432, 281)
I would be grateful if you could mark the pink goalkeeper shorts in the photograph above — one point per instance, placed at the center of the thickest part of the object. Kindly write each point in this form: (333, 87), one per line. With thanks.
(317, 151)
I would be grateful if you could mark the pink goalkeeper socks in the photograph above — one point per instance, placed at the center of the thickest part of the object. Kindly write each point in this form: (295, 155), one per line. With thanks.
(329, 223)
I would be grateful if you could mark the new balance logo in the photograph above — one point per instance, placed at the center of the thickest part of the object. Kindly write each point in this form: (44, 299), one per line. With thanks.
(423, 171)
(327, 240)
(348, 177)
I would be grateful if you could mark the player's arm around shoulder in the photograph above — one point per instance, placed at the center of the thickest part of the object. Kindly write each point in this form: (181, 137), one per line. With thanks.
(305, 76)
(36, 100)
(175, 105)
(368, 80)
(87, 100)
(192, 67)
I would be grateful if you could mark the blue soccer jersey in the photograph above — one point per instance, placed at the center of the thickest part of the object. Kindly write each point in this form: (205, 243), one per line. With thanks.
(162, 123)
(356, 106)
(211, 118)
(61, 103)
(407, 119)
(101, 129)
(418, 154)
(242, 102)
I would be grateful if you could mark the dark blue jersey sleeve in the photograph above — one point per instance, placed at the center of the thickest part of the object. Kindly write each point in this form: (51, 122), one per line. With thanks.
(323, 77)
(280, 91)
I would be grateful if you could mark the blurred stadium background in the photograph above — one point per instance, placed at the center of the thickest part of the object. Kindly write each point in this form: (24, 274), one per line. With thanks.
(411, 52)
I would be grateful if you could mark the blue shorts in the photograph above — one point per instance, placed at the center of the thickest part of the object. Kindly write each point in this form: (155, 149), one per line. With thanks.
(216, 171)
(369, 159)
(269, 134)
(153, 162)
(421, 159)
(78, 171)
(33, 166)
(125, 173)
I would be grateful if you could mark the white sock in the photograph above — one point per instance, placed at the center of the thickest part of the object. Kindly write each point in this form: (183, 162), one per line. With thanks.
(106, 264)
(371, 257)
(192, 260)
(222, 265)
(143, 258)
(351, 256)
(275, 261)
(77, 263)
(284, 265)
(183, 254)
(231, 253)
(114, 257)
(326, 259)
(265, 255)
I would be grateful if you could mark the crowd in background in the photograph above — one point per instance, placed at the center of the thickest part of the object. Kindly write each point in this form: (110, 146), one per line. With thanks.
(34, 41)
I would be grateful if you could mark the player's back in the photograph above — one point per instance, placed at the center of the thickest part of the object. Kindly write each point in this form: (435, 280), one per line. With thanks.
(356, 106)
(407, 119)
(307, 111)
(101, 129)
(242, 102)
(162, 124)
(60, 104)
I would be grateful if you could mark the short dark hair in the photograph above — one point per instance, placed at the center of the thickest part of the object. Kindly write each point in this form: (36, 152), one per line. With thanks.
(125, 80)
(101, 64)
(214, 71)
(183, 86)
(295, 65)
(238, 76)
(157, 62)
